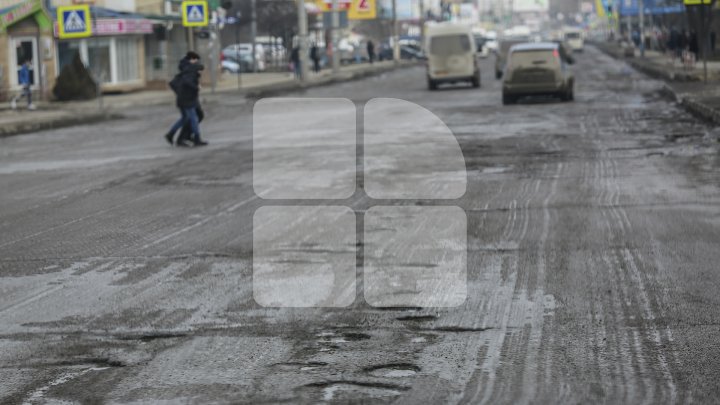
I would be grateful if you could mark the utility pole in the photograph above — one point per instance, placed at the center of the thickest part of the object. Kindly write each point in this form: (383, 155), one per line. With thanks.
(253, 32)
(422, 22)
(238, 14)
(706, 9)
(395, 37)
(334, 37)
(302, 35)
(641, 13)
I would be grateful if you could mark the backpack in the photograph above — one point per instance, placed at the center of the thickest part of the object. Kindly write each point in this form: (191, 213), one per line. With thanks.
(176, 83)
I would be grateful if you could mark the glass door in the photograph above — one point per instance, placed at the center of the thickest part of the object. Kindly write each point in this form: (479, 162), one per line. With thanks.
(25, 50)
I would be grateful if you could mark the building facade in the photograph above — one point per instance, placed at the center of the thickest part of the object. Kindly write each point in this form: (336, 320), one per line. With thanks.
(134, 43)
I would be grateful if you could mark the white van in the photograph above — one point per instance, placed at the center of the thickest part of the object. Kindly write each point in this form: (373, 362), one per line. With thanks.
(451, 55)
(573, 37)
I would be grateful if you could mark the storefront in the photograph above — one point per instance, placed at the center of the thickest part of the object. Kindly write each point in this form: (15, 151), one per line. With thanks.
(115, 54)
(26, 35)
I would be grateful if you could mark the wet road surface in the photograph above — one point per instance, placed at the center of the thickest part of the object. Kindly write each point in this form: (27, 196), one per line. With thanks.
(592, 266)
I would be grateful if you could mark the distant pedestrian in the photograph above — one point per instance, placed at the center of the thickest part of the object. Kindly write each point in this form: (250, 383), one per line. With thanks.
(682, 43)
(712, 42)
(371, 51)
(295, 60)
(673, 44)
(315, 56)
(24, 80)
(693, 46)
(186, 86)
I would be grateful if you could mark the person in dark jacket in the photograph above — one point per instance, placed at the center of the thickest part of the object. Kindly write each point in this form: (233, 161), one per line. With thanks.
(315, 56)
(184, 139)
(371, 51)
(187, 89)
(693, 45)
(295, 59)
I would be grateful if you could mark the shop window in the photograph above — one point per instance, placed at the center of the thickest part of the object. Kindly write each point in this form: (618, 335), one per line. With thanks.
(98, 51)
(127, 59)
(66, 53)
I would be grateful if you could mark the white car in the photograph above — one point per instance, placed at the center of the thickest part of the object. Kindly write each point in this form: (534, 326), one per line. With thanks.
(491, 41)
(241, 50)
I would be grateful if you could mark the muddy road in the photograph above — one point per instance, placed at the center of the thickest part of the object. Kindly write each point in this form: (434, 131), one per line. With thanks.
(592, 261)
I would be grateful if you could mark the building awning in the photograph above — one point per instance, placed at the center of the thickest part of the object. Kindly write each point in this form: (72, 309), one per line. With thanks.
(18, 12)
(108, 22)
(118, 26)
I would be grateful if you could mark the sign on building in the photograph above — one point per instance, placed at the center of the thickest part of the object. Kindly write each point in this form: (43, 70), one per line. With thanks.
(357, 9)
(362, 10)
(74, 21)
(195, 13)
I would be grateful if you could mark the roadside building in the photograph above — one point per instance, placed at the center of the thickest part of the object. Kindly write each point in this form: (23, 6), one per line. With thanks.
(26, 33)
(134, 44)
(115, 53)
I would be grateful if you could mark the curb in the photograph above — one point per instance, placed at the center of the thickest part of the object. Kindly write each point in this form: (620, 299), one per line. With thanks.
(280, 88)
(110, 113)
(55, 123)
(648, 69)
(690, 104)
(696, 107)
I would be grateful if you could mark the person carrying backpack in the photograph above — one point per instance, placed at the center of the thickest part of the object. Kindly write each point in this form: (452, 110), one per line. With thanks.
(186, 85)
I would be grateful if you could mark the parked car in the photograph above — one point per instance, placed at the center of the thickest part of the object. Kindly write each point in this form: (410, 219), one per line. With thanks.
(232, 51)
(406, 53)
(231, 64)
(536, 69)
(451, 55)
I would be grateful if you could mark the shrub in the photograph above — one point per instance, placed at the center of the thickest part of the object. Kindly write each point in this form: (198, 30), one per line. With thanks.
(75, 82)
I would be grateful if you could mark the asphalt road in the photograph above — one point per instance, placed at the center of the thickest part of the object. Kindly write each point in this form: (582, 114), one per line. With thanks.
(592, 261)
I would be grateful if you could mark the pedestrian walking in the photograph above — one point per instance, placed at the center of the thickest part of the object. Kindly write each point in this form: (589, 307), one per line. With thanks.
(295, 60)
(185, 138)
(186, 86)
(315, 56)
(673, 44)
(693, 46)
(24, 80)
(371, 51)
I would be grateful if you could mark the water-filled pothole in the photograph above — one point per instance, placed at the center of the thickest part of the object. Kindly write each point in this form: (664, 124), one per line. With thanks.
(356, 390)
(393, 370)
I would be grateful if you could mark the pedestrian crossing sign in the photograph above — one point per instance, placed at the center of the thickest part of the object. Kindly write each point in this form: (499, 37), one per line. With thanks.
(194, 13)
(74, 21)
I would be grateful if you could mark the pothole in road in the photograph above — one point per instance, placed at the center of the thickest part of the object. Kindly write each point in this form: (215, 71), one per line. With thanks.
(346, 337)
(356, 390)
(457, 329)
(302, 366)
(416, 318)
(149, 337)
(398, 308)
(393, 370)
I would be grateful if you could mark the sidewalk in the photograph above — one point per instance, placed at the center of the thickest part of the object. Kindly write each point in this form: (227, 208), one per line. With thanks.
(62, 114)
(685, 86)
